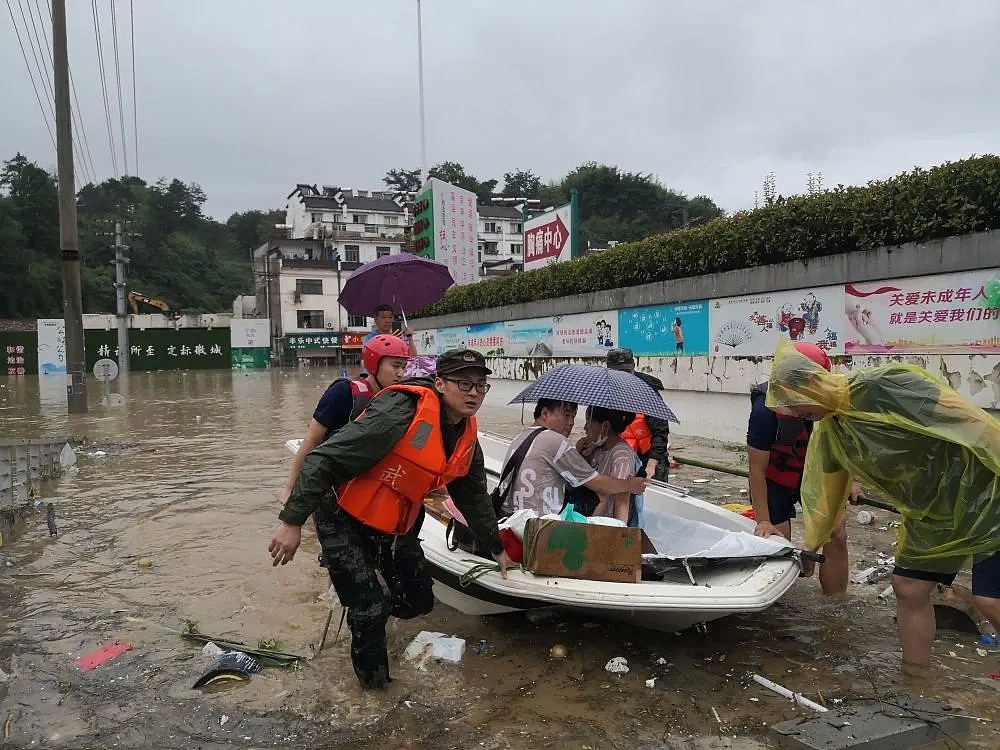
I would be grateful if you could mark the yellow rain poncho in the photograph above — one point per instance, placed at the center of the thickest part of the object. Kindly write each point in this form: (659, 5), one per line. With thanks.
(907, 435)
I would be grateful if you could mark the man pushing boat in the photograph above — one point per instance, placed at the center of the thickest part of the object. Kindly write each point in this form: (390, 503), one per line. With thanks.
(367, 485)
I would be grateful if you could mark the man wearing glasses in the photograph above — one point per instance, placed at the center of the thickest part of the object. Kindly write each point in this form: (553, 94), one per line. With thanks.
(368, 483)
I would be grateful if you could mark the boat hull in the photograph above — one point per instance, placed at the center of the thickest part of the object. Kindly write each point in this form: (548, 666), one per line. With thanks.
(672, 604)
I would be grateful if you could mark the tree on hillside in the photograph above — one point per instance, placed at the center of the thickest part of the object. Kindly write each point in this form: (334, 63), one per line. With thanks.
(521, 183)
(454, 173)
(625, 206)
(403, 180)
(29, 240)
(250, 229)
(35, 202)
(701, 208)
(176, 253)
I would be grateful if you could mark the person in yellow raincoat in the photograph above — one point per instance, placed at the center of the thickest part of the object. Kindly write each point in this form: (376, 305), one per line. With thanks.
(935, 456)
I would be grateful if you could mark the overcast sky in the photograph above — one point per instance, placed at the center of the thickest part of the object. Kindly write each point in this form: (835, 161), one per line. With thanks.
(248, 98)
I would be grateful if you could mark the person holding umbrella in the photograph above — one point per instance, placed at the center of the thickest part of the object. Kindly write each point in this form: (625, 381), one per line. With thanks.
(402, 282)
(385, 318)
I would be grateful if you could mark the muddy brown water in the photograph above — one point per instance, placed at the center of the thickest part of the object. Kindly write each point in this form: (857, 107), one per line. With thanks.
(197, 494)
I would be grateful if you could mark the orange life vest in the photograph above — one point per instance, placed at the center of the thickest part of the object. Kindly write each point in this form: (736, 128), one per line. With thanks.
(638, 436)
(389, 496)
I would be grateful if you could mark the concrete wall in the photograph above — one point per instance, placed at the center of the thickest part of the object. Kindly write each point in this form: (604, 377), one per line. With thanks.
(710, 393)
(142, 321)
(975, 376)
(964, 253)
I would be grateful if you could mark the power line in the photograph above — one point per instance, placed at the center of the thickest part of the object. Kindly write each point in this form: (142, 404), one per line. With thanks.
(118, 79)
(36, 54)
(104, 86)
(42, 39)
(135, 116)
(76, 111)
(38, 98)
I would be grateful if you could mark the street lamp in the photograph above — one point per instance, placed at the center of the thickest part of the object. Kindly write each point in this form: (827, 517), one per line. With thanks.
(420, 96)
(340, 322)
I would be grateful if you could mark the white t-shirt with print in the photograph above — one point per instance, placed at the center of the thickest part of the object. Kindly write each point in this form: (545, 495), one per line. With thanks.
(552, 461)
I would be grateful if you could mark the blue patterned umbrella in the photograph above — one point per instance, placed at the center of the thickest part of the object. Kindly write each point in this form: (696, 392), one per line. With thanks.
(597, 386)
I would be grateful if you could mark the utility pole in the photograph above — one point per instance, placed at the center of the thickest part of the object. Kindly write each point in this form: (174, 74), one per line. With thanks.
(122, 315)
(76, 372)
(574, 213)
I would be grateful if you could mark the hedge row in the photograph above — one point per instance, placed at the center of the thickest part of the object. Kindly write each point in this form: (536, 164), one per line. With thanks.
(954, 198)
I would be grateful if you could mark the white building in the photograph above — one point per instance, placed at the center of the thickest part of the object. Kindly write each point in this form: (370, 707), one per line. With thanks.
(361, 224)
(328, 233)
(298, 283)
(501, 240)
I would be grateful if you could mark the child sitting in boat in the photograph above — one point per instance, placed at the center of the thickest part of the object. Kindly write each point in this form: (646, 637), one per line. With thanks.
(552, 466)
(603, 446)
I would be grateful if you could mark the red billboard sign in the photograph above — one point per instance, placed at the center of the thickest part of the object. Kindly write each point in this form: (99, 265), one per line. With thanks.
(545, 242)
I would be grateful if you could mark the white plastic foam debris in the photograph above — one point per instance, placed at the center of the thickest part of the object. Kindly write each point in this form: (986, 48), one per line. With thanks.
(617, 665)
(429, 645)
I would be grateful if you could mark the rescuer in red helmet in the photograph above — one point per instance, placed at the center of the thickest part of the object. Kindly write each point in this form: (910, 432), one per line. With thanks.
(776, 448)
(384, 358)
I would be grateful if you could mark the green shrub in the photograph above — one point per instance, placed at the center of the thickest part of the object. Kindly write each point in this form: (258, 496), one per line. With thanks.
(955, 198)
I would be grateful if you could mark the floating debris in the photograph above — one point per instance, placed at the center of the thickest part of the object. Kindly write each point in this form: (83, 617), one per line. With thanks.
(230, 666)
(107, 652)
(617, 665)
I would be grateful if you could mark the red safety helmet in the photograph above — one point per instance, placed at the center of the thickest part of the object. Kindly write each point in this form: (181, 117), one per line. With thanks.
(380, 346)
(814, 353)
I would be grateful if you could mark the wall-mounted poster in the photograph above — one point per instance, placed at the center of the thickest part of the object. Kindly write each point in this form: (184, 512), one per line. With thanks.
(250, 333)
(584, 334)
(514, 338)
(924, 314)
(451, 338)
(662, 330)
(20, 352)
(427, 341)
(51, 347)
(750, 326)
(250, 343)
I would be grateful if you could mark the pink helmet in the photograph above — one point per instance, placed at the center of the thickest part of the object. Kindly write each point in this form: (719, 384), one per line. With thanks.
(380, 346)
(814, 353)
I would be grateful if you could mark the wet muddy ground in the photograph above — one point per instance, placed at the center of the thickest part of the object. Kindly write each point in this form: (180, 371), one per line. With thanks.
(194, 491)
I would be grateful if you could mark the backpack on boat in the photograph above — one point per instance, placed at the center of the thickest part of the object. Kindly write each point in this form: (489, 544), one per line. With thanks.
(458, 535)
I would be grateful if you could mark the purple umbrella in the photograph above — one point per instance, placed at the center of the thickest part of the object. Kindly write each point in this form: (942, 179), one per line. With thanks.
(405, 281)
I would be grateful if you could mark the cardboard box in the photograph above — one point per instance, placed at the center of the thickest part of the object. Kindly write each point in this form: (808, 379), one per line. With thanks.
(582, 550)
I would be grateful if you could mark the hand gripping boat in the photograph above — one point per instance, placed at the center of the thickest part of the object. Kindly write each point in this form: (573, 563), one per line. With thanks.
(708, 565)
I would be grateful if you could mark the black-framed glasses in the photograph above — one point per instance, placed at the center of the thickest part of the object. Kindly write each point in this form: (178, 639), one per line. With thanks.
(467, 385)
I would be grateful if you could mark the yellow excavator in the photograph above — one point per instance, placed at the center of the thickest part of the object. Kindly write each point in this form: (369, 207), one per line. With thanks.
(134, 299)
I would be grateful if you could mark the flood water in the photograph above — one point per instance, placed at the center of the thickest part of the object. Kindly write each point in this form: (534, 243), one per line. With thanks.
(187, 474)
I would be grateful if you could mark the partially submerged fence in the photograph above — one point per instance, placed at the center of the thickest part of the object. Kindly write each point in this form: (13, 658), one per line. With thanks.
(24, 464)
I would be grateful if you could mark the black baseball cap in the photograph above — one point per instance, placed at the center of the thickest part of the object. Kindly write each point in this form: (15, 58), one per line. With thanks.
(621, 359)
(454, 360)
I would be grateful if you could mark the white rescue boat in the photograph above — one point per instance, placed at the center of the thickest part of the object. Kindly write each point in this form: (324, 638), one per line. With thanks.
(708, 565)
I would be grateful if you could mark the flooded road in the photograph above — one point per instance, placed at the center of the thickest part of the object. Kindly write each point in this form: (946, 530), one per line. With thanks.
(197, 496)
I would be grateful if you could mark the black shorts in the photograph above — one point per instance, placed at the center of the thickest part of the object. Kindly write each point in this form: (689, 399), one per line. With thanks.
(781, 502)
(985, 576)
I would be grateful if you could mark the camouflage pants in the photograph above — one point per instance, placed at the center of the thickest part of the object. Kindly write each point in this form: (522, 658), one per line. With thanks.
(355, 554)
